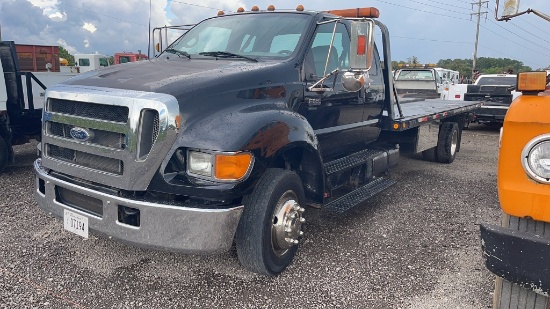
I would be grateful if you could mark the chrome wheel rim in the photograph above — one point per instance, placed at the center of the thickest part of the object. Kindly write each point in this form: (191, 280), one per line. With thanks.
(454, 142)
(287, 220)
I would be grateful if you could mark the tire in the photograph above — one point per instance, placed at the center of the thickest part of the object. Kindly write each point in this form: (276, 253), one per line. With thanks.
(430, 154)
(4, 153)
(269, 228)
(508, 295)
(447, 143)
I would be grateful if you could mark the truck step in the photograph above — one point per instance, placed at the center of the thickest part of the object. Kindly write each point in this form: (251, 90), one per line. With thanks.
(350, 161)
(359, 195)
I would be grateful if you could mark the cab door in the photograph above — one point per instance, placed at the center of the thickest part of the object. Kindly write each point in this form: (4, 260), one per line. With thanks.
(334, 114)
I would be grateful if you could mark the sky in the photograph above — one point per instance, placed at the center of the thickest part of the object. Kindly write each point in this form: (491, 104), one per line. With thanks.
(427, 29)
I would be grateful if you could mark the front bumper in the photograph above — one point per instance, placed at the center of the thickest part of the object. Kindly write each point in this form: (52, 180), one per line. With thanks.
(518, 257)
(166, 227)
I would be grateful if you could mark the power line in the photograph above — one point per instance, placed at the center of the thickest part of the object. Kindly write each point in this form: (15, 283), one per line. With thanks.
(538, 37)
(543, 31)
(86, 10)
(410, 8)
(201, 6)
(500, 52)
(446, 4)
(431, 40)
(438, 7)
(537, 51)
(520, 36)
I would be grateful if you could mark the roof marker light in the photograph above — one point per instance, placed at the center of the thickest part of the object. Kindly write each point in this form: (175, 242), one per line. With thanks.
(531, 81)
(300, 8)
(240, 10)
(220, 13)
(271, 8)
(369, 12)
(255, 8)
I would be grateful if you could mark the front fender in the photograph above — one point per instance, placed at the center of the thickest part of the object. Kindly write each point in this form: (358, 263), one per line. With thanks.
(262, 129)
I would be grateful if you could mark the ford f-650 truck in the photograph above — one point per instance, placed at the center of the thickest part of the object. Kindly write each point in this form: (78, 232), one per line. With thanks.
(232, 131)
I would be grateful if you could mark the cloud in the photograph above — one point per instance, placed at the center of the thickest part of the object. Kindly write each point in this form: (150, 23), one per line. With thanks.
(90, 27)
(123, 25)
(58, 16)
(64, 44)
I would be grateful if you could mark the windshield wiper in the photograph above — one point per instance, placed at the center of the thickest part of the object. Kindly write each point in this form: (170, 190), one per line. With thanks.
(178, 52)
(223, 54)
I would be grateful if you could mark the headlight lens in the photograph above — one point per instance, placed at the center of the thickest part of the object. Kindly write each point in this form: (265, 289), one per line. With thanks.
(539, 159)
(536, 158)
(199, 163)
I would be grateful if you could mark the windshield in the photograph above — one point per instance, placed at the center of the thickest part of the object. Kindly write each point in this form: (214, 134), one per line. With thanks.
(415, 75)
(255, 36)
(499, 80)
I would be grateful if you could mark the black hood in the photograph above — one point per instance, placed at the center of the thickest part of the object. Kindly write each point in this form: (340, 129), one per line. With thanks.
(182, 76)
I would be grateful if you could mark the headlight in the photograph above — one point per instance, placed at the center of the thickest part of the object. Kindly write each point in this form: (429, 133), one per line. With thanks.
(536, 158)
(199, 163)
(224, 166)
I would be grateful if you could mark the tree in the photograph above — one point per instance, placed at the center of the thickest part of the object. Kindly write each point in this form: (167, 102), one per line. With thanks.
(413, 60)
(63, 53)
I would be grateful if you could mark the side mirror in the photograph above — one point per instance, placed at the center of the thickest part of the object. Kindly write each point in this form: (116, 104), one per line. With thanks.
(361, 45)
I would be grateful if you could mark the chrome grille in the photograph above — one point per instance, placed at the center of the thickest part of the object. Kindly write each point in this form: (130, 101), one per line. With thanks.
(100, 137)
(149, 131)
(123, 137)
(155, 127)
(109, 165)
(114, 113)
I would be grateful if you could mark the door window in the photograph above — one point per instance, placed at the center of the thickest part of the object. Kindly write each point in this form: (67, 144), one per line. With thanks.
(319, 52)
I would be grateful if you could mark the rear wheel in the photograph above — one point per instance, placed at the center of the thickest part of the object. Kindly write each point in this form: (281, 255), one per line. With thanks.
(270, 227)
(447, 144)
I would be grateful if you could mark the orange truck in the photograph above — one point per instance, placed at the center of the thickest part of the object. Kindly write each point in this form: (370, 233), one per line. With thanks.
(129, 57)
(518, 251)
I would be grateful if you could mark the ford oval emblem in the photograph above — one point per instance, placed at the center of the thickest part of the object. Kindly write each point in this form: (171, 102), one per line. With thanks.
(81, 134)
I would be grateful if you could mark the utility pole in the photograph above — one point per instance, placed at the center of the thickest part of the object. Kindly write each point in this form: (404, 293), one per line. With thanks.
(479, 12)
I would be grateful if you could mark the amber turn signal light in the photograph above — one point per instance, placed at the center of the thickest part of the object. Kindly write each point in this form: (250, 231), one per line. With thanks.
(232, 166)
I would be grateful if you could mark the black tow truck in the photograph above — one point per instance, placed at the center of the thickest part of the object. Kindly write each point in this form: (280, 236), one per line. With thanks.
(233, 131)
(497, 93)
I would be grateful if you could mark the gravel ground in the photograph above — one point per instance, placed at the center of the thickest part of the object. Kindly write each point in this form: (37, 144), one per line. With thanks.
(416, 245)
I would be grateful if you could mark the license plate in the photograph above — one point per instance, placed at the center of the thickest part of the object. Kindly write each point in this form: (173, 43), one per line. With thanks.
(75, 223)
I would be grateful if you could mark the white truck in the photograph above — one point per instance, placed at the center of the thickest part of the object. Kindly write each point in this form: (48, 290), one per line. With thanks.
(90, 62)
(424, 81)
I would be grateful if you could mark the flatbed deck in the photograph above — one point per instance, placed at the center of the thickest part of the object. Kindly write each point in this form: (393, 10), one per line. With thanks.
(416, 113)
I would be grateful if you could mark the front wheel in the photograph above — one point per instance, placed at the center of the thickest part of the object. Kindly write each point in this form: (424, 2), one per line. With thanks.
(270, 227)
(508, 295)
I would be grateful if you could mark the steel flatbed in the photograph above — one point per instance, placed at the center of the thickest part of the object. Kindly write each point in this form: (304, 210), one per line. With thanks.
(419, 112)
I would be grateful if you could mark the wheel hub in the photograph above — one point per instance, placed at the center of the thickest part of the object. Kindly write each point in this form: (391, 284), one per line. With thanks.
(287, 223)
(454, 142)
